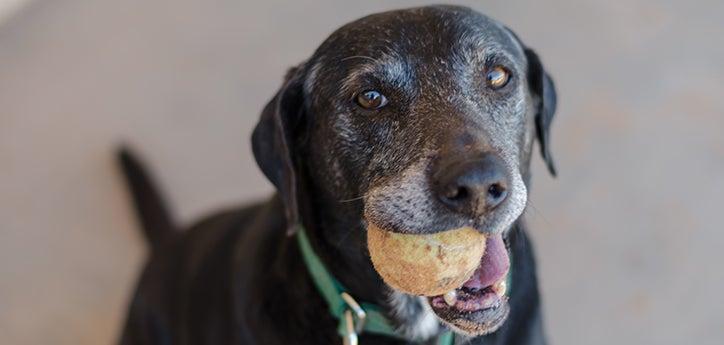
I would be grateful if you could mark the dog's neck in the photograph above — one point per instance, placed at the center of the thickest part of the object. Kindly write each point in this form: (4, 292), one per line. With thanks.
(340, 241)
(337, 233)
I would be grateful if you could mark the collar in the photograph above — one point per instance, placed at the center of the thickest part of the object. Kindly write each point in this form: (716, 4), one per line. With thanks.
(354, 318)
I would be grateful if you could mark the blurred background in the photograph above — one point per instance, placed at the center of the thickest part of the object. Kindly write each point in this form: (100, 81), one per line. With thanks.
(629, 236)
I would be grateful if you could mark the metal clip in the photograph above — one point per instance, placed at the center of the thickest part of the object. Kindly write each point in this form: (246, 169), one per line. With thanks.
(350, 337)
(359, 313)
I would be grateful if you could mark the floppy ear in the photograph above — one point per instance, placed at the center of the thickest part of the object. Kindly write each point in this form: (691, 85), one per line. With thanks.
(273, 140)
(541, 85)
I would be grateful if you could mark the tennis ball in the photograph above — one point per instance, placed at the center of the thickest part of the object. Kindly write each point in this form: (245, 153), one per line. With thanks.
(425, 264)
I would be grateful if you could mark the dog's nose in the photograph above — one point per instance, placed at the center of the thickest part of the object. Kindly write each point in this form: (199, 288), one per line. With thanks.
(472, 186)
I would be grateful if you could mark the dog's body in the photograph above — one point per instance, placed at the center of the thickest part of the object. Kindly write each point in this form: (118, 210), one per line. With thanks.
(238, 277)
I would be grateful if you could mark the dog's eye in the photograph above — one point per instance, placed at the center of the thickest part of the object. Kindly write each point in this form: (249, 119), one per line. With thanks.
(371, 100)
(497, 77)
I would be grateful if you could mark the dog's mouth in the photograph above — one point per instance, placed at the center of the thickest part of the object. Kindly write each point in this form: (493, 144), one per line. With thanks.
(480, 305)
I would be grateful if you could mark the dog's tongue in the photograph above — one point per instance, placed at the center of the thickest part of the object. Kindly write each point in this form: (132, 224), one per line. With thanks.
(493, 266)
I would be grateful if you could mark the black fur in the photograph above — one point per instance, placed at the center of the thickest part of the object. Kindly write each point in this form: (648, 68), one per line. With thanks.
(156, 219)
(237, 277)
(542, 84)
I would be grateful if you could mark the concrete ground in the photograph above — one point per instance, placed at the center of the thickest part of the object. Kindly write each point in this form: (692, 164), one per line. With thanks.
(629, 236)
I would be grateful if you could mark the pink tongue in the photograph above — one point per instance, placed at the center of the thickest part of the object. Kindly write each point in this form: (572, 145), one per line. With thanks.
(494, 265)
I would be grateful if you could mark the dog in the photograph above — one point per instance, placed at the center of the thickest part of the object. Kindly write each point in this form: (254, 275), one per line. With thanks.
(416, 120)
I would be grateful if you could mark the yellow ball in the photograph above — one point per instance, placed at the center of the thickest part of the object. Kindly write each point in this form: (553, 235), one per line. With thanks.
(428, 264)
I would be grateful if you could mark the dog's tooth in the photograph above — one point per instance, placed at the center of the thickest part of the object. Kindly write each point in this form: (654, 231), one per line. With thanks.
(500, 288)
(450, 297)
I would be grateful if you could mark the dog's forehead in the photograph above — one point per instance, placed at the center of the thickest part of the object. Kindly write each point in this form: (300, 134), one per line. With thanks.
(421, 33)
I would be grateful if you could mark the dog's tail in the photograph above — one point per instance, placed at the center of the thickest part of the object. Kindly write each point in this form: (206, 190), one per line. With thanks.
(155, 218)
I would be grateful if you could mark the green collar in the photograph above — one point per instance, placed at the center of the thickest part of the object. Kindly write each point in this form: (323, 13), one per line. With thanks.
(354, 318)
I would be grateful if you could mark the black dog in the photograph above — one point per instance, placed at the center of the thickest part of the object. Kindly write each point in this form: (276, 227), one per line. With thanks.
(418, 121)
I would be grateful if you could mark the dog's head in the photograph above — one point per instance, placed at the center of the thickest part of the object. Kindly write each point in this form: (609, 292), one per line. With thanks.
(418, 121)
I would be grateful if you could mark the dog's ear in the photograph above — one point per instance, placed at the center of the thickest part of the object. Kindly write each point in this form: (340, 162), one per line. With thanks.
(273, 143)
(544, 92)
